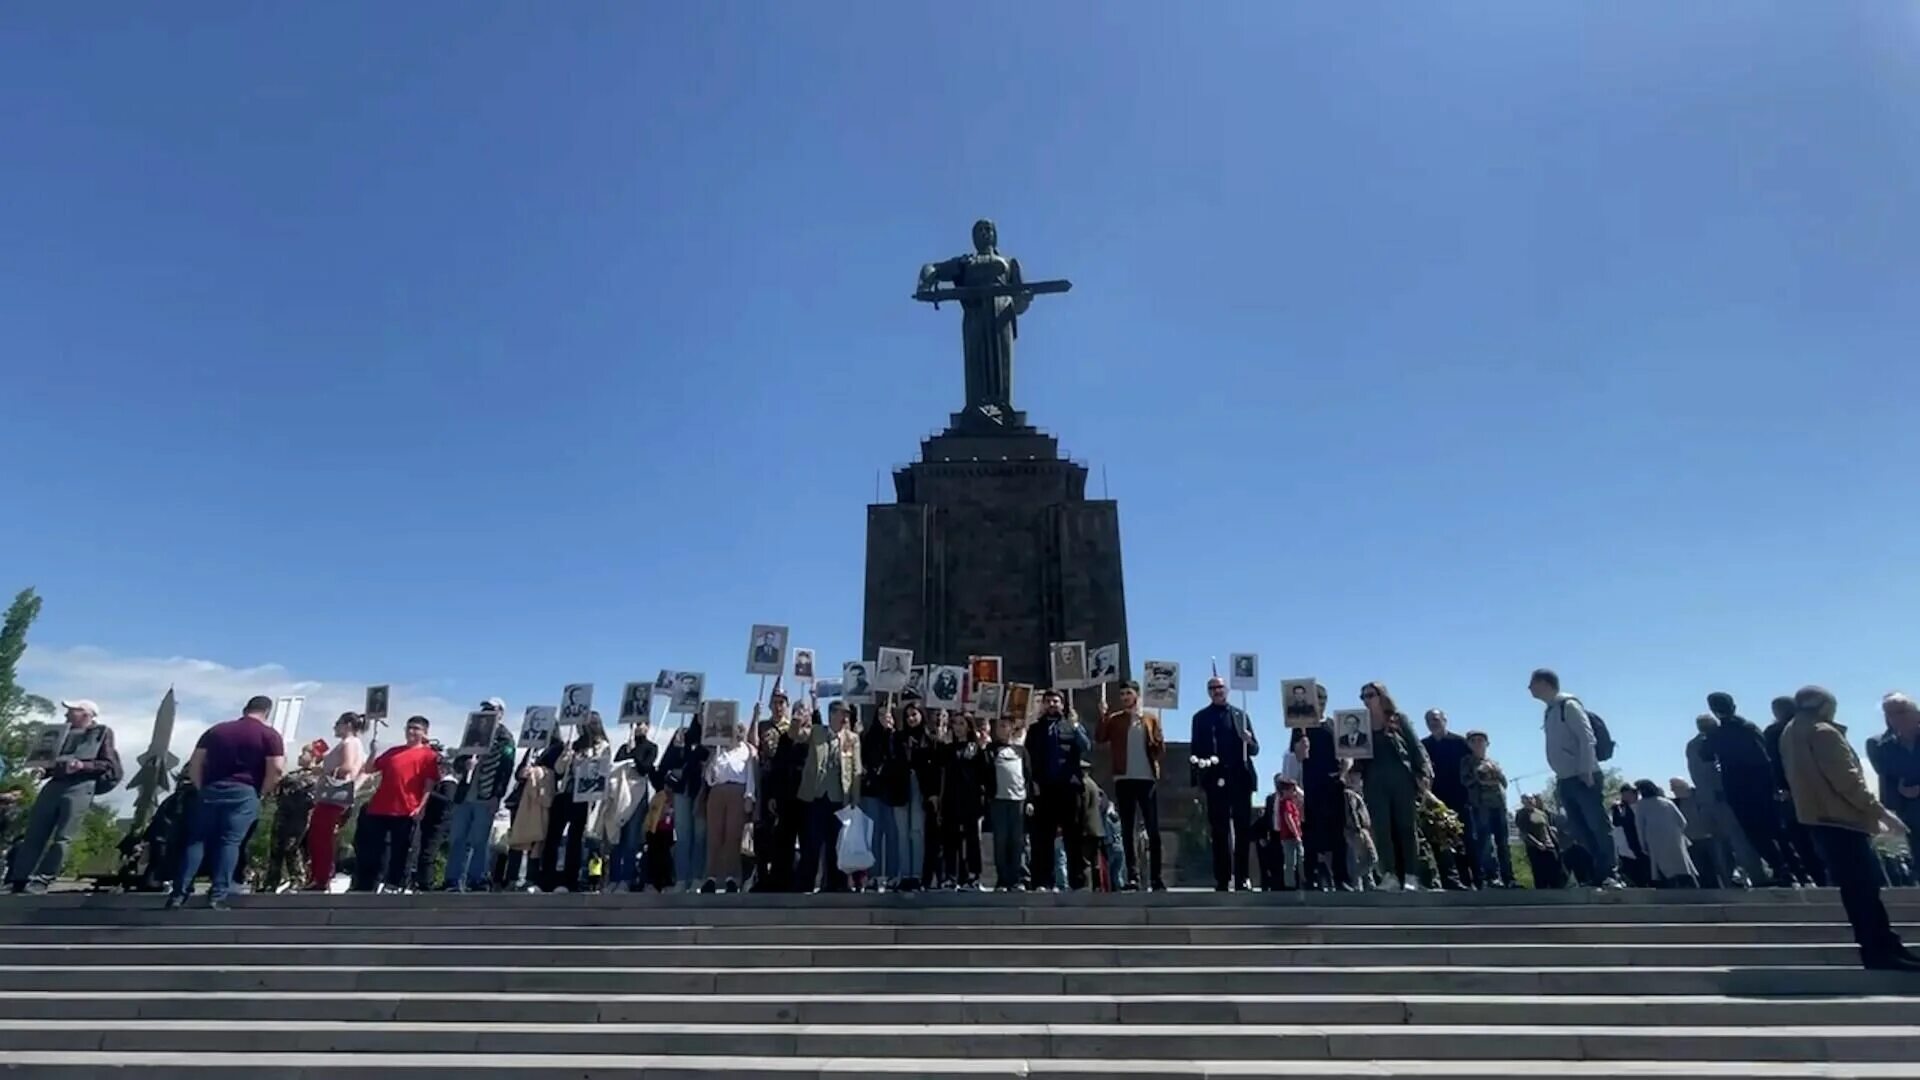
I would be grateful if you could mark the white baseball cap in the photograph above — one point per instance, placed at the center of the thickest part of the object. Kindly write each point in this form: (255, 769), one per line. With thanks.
(83, 705)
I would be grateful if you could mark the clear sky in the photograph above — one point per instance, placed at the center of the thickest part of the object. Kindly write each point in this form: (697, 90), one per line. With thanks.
(482, 348)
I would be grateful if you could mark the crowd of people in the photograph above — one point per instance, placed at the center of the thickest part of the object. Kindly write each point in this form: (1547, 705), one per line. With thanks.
(906, 798)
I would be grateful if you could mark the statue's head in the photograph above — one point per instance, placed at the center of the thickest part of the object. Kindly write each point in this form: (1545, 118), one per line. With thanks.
(986, 238)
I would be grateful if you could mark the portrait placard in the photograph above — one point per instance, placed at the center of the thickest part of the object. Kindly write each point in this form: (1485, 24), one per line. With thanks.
(636, 703)
(1352, 734)
(377, 698)
(689, 689)
(589, 775)
(944, 686)
(856, 679)
(825, 689)
(803, 664)
(988, 698)
(1020, 702)
(1160, 686)
(892, 670)
(1243, 671)
(1300, 703)
(537, 727)
(720, 723)
(983, 669)
(663, 683)
(1068, 661)
(576, 701)
(767, 650)
(44, 749)
(477, 736)
(1103, 665)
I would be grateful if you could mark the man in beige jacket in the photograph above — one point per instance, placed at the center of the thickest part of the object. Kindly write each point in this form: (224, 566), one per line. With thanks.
(1832, 799)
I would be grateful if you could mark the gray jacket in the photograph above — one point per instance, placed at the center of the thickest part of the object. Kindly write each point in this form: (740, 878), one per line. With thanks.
(1570, 751)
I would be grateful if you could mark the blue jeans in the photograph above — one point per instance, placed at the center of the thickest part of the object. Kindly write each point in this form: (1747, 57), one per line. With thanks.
(626, 854)
(222, 814)
(1493, 846)
(469, 843)
(689, 840)
(1587, 819)
(886, 838)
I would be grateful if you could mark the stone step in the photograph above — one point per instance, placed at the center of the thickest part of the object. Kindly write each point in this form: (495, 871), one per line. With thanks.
(1431, 1009)
(1026, 981)
(147, 1065)
(979, 954)
(1321, 933)
(1468, 909)
(1126, 1042)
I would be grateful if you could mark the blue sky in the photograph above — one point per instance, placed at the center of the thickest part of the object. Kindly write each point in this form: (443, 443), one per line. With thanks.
(483, 348)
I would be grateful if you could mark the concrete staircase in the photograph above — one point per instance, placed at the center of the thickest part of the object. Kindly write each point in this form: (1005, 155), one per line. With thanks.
(1500, 985)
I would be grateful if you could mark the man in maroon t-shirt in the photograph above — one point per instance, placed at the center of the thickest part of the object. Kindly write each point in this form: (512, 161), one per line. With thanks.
(232, 763)
(384, 837)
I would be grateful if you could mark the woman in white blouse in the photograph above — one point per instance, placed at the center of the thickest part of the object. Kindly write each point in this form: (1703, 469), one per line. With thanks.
(730, 793)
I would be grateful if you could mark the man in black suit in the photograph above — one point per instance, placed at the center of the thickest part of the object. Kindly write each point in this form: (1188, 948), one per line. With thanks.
(1223, 747)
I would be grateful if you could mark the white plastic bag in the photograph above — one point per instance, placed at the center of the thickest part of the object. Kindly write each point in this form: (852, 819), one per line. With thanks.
(855, 850)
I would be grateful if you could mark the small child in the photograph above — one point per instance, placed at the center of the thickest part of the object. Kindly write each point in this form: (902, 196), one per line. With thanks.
(1012, 804)
(1285, 818)
(1361, 854)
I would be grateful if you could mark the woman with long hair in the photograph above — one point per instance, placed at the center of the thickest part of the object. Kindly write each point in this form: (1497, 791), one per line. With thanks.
(333, 801)
(885, 789)
(1396, 776)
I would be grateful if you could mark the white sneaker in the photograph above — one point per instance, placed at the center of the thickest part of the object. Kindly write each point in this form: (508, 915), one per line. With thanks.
(1389, 883)
(1410, 886)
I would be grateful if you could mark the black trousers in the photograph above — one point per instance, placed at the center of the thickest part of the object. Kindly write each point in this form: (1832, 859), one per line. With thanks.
(1136, 799)
(1547, 871)
(959, 845)
(1057, 813)
(382, 844)
(1797, 844)
(1855, 869)
(568, 817)
(433, 837)
(1759, 818)
(1467, 869)
(1230, 817)
(820, 848)
(1326, 839)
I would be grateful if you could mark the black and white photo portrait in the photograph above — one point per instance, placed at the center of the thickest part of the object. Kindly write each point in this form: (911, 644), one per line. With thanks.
(636, 703)
(1069, 662)
(987, 700)
(944, 687)
(857, 682)
(917, 682)
(892, 669)
(576, 701)
(377, 702)
(689, 688)
(803, 664)
(477, 736)
(1103, 664)
(1300, 702)
(1352, 734)
(1243, 671)
(1160, 688)
(588, 775)
(720, 723)
(664, 682)
(767, 650)
(536, 730)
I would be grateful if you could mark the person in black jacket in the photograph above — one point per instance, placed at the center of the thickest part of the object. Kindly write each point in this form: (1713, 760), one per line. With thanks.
(885, 787)
(683, 770)
(1447, 752)
(780, 799)
(964, 792)
(1057, 747)
(1746, 771)
(1633, 859)
(624, 871)
(1796, 842)
(1223, 747)
(1326, 807)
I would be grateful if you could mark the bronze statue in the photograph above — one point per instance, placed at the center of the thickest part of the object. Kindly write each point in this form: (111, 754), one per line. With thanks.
(992, 298)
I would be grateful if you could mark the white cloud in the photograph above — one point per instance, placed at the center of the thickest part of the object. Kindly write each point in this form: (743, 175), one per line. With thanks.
(128, 691)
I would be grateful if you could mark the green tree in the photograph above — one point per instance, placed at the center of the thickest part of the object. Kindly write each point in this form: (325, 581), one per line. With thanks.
(18, 709)
(96, 846)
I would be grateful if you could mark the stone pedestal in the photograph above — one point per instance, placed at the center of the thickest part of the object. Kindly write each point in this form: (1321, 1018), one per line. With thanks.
(993, 548)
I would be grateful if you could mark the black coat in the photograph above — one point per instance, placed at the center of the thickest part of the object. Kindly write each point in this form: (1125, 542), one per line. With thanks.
(1216, 733)
(884, 761)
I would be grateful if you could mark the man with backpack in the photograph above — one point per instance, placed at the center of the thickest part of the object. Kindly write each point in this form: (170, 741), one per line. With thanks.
(86, 765)
(1577, 742)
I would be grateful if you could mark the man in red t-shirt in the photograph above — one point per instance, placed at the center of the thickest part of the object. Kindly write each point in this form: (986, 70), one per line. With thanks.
(384, 837)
